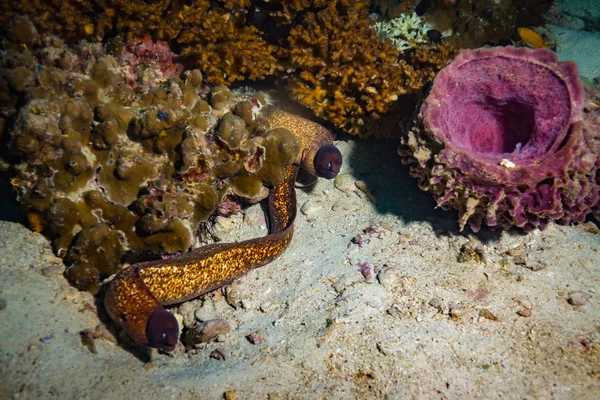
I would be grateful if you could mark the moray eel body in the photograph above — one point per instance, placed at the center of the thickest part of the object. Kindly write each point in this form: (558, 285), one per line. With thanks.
(137, 295)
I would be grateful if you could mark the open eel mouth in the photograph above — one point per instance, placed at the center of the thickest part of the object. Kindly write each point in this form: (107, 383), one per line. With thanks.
(498, 107)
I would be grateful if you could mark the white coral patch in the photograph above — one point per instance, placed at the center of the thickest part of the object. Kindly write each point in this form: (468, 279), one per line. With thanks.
(404, 31)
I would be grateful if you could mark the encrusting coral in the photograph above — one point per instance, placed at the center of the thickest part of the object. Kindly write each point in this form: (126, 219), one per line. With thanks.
(504, 139)
(105, 164)
(328, 50)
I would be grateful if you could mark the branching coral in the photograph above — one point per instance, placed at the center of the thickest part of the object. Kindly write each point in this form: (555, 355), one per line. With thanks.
(405, 31)
(503, 138)
(105, 164)
(344, 73)
(225, 48)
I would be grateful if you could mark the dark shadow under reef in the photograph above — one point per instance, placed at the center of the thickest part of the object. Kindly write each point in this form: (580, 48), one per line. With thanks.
(377, 163)
(10, 210)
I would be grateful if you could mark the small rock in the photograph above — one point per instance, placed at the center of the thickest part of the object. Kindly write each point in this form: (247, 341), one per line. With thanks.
(247, 304)
(310, 207)
(368, 271)
(398, 309)
(220, 338)
(344, 183)
(524, 303)
(519, 255)
(46, 339)
(436, 303)
(524, 312)
(187, 310)
(219, 354)
(206, 332)
(340, 206)
(206, 312)
(234, 295)
(455, 311)
(345, 281)
(383, 349)
(223, 226)
(390, 278)
(487, 314)
(578, 298)
(470, 252)
(267, 307)
(230, 395)
(2, 304)
(257, 337)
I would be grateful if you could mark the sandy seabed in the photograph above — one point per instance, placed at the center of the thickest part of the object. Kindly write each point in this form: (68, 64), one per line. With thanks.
(378, 296)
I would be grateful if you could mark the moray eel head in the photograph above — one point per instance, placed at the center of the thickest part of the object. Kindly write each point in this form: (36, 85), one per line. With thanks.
(328, 161)
(162, 330)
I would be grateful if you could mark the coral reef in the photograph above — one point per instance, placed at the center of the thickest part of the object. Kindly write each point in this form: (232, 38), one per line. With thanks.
(405, 31)
(214, 34)
(336, 65)
(119, 153)
(391, 9)
(504, 139)
(470, 23)
(345, 74)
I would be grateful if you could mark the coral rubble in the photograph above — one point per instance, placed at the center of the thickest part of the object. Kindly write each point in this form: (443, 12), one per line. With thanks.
(504, 139)
(123, 153)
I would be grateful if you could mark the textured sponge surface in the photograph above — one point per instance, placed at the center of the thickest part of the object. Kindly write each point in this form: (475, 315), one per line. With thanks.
(499, 106)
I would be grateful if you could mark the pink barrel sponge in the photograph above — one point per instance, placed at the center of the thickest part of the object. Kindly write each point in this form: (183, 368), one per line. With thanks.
(503, 138)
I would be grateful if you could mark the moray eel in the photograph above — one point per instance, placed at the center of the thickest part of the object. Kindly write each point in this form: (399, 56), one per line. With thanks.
(318, 156)
(136, 297)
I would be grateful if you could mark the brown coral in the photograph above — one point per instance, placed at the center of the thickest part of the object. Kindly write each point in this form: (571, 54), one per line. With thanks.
(225, 48)
(345, 74)
(105, 165)
(337, 67)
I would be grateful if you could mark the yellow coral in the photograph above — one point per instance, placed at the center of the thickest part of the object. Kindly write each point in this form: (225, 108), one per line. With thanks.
(345, 74)
(228, 50)
(36, 221)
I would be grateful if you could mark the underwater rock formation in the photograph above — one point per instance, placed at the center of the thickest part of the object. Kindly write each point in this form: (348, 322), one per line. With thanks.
(504, 139)
(107, 160)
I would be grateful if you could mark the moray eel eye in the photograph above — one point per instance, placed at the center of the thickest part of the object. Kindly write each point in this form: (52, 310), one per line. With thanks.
(162, 330)
(328, 161)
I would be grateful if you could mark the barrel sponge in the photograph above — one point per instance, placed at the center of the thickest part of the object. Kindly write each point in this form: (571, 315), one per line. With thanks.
(503, 138)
